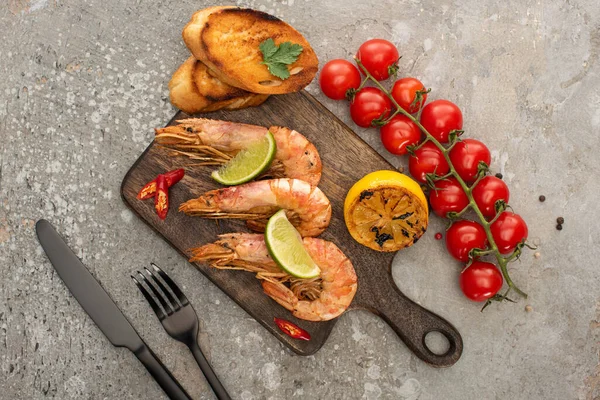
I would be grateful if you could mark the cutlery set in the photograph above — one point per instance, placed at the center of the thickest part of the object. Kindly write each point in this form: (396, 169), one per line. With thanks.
(172, 309)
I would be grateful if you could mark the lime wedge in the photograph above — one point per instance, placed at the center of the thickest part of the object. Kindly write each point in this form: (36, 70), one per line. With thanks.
(248, 163)
(285, 246)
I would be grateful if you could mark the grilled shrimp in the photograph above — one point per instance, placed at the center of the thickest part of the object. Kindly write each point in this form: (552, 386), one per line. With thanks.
(214, 142)
(307, 207)
(318, 299)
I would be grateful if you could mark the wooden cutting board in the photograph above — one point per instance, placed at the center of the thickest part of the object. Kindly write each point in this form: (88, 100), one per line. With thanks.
(346, 158)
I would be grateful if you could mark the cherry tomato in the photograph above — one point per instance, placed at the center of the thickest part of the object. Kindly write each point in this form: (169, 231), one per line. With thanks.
(466, 155)
(440, 117)
(480, 281)
(508, 231)
(405, 91)
(464, 236)
(487, 192)
(337, 76)
(448, 197)
(427, 160)
(379, 57)
(399, 133)
(369, 104)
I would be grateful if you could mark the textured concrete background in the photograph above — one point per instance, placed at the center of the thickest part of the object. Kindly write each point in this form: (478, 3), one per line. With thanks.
(82, 84)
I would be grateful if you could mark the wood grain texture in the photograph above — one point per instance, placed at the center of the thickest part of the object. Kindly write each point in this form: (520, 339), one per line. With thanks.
(346, 158)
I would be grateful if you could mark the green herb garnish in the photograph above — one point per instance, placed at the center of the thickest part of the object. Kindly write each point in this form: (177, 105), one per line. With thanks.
(277, 58)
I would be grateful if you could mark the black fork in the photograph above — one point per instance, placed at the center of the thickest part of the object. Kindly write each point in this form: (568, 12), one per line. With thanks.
(178, 318)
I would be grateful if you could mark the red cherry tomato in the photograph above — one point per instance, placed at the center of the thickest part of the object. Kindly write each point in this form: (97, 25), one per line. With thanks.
(448, 197)
(480, 281)
(369, 104)
(508, 231)
(379, 57)
(405, 91)
(440, 117)
(427, 160)
(337, 76)
(466, 155)
(464, 236)
(399, 133)
(487, 192)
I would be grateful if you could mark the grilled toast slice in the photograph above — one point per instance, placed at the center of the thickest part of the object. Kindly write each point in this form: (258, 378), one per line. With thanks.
(226, 39)
(212, 88)
(215, 95)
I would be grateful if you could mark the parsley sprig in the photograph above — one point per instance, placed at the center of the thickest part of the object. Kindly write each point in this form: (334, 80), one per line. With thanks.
(277, 58)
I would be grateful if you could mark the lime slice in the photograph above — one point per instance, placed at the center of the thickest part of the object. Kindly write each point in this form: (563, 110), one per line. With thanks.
(248, 163)
(285, 246)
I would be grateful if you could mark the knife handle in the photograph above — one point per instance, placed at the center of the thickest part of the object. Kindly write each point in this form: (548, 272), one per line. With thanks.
(161, 374)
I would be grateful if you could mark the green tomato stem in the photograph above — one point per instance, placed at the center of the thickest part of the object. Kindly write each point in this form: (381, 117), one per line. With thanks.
(479, 177)
(502, 261)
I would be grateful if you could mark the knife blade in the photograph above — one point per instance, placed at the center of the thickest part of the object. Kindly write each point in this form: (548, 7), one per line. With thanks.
(86, 289)
(101, 308)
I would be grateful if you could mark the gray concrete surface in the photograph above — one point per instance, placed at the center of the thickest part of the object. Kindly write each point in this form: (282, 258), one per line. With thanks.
(82, 84)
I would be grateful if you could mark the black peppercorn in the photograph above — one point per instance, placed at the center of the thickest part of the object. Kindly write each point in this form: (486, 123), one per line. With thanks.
(542, 198)
(559, 227)
(499, 175)
(560, 220)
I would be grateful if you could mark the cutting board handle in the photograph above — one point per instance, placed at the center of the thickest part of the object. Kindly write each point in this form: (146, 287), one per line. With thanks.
(412, 322)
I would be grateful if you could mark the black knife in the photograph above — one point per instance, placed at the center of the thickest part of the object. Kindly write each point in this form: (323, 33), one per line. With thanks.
(101, 308)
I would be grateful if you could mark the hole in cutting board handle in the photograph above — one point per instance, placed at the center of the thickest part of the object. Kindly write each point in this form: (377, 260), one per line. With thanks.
(437, 342)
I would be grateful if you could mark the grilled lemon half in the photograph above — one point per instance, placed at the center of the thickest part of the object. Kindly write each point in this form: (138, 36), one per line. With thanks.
(386, 211)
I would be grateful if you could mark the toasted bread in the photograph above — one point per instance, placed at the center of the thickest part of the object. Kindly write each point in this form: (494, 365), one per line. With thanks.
(215, 95)
(227, 40)
(248, 100)
(212, 88)
(182, 90)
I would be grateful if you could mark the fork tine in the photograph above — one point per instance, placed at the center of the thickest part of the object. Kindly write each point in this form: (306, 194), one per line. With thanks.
(184, 301)
(159, 296)
(174, 304)
(157, 310)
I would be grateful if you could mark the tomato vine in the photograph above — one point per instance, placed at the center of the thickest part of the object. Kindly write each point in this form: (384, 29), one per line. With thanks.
(454, 138)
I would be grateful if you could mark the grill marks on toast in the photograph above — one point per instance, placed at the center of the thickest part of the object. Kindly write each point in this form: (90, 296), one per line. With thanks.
(256, 14)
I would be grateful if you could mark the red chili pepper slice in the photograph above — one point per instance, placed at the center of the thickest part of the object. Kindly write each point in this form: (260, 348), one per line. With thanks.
(291, 329)
(149, 190)
(161, 200)
(174, 176)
